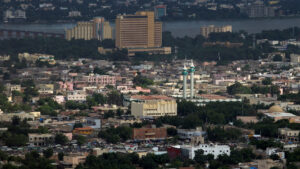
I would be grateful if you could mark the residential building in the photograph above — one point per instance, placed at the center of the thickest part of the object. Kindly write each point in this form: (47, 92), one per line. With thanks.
(258, 9)
(289, 134)
(84, 130)
(269, 163)
(36, 139)
(295, 58)
(15, 87)
(149, 133)
(14, 15)
(190, 133)
(214, 149)
(101, 80)
(153, 106)
(93, 123)
(160, 11)
(77, 95)
(247, 119)
(83, 30)
(98, 29)
(37, 56)
(4, 57)
(72, 160)
(45, 88)
(7, 117)
(206, 30)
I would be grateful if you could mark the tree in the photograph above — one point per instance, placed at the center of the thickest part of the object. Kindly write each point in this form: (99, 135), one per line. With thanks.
(80, 139)
(267, 81)
(77, 125)
(274, 157)
(16, 120)
(238, 88)
(12, 139)
(200, 157)
(277, 58)
(60, 139)
(142, 81)
(48, 153)
(60, 156)
(171, 131)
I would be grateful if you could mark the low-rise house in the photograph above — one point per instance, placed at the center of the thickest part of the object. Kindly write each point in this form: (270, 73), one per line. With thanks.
(36, 139)
(72, 160)
(77, 95)
(45, 88)
(247, 119)
(288, 134)
(7, 117)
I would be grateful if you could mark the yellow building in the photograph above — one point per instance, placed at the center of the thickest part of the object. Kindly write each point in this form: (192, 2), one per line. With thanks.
(83, 30)
(153, 106)
(84, 131)
(206, 30)
(138, 31)
(98, 28)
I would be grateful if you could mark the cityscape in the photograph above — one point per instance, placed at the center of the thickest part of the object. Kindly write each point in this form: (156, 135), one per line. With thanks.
(149, 84)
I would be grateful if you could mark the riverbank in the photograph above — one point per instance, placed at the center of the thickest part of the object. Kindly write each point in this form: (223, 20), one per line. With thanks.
(178, 28)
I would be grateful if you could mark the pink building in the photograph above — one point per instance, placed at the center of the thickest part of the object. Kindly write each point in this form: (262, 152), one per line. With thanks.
(68, 86)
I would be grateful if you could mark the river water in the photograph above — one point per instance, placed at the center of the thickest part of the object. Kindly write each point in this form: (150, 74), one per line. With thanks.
(178, 28)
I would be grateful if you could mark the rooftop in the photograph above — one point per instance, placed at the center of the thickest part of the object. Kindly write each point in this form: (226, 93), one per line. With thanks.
(152, 97)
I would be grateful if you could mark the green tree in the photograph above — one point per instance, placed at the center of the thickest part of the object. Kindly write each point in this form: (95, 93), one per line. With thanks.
(267, 81)
(48, 153)
(60, 139)
(80, 139)
(277, 58)
(60, 156)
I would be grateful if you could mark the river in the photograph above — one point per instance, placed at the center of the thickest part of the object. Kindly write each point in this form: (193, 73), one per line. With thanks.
(178, 28)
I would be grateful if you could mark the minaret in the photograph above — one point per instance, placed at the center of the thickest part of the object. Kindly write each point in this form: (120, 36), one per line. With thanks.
(192, 70)
(184, 73)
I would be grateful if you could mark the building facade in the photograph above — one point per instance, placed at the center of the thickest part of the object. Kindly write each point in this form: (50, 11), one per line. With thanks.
(102, 80)
(153, 106)
(138, 31)
(40, 139)
(295, 58)
(149, 133)
(216, 150)
(206, 30)
(98, 29)
(160, 11)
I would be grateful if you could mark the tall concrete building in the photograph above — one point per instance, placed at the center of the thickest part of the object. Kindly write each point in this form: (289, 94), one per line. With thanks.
(98, 28)
(138, 31)
(259, 9)
(206, 30)
(83, 30)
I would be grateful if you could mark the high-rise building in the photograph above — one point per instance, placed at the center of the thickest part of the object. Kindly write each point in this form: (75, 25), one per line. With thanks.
(83, 30)
(138, 31)
(206, 30)
(259, 9)
(160, 11)
(98, 28)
